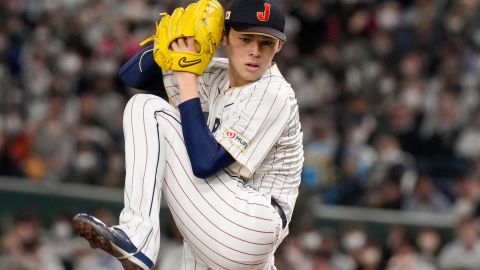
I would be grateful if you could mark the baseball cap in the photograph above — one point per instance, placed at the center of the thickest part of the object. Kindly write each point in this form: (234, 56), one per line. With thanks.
(257, 16)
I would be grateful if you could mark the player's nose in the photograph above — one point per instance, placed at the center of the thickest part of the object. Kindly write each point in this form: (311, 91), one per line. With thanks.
(254, 48)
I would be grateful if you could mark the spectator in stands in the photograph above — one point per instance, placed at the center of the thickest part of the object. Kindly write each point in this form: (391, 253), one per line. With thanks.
(467, 193)
(321, 261)
(427, 198)
(396, 235)
(391, 160)
(428, 242)
(467, 145)
(24, 244)
(404, 122)
(320, 154)
(14, 142)
(62, 241)
(405, 257)
(440, 129)
(464, 251)
(330, 246)
(355, 156)
(371, 258)
(52, 143)
(311, 16)
(291, 255)
(354, 240)
(8, 165)
(390, 195)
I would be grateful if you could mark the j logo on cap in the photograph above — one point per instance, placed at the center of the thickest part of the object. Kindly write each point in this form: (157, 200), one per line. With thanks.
(265, 15)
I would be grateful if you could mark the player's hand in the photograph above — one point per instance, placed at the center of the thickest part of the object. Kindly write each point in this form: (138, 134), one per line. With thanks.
(186, 80)
(184, 44)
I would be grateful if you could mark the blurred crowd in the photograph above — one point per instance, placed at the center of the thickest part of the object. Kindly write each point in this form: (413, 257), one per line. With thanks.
(388, 94)
(352, 247)
(29, 244)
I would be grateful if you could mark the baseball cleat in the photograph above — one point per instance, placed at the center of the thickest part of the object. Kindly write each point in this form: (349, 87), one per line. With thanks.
(111, 240)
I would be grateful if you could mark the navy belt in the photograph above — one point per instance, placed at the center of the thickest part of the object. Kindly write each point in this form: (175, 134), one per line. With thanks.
(280, 212)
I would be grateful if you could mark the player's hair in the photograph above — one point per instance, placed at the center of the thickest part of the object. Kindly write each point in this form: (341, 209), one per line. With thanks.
(226, 29)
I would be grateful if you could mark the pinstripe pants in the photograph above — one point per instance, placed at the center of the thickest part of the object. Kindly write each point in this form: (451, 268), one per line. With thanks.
(224, 224)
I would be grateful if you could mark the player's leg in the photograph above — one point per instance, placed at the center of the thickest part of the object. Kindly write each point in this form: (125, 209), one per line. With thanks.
(192, 261)
(135, 241)
(144, 164)
(226, 225)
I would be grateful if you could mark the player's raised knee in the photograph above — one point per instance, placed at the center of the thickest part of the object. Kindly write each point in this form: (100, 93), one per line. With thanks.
(141, 103)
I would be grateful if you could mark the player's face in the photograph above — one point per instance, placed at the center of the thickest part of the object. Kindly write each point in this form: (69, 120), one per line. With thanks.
(250, 55)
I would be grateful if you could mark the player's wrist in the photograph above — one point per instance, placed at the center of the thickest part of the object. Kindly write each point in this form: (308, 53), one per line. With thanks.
(185, 78)
(187, 84)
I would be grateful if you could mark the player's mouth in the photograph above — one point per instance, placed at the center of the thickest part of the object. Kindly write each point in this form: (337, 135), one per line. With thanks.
(252, 67)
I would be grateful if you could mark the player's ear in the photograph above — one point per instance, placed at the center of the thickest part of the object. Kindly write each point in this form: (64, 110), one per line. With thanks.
(280, 46)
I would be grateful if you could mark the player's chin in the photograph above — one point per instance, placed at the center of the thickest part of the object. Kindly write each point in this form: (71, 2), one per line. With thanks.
(252, 75)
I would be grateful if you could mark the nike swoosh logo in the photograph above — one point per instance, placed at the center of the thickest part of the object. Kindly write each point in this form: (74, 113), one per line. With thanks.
(229, 104)
(183, 62)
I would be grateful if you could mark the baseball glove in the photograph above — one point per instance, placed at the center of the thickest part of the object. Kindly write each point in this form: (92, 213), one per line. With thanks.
(202, 20)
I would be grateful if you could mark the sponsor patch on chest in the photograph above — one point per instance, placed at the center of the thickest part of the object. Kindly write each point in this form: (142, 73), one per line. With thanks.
(237, 139)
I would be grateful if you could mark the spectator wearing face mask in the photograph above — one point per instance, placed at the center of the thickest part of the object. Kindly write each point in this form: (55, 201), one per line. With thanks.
(428, 243)
(354, 240)
(392, 164)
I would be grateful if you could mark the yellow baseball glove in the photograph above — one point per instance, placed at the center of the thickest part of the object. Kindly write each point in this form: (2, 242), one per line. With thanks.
(202, 20)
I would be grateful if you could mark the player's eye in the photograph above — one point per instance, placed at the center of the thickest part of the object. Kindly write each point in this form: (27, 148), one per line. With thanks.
(245, 39)
(268, 43)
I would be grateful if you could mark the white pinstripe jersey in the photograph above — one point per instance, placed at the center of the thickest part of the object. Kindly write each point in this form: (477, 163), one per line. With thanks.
(258, 124)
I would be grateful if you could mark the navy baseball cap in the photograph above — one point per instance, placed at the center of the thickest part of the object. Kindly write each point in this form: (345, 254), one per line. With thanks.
(257, 17)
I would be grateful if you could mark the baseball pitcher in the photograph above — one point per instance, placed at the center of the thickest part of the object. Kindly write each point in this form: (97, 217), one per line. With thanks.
(230, 179)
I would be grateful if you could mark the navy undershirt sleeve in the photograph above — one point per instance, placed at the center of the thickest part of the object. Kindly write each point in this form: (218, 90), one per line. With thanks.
(206, 155)
(148, 78)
